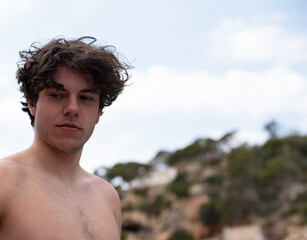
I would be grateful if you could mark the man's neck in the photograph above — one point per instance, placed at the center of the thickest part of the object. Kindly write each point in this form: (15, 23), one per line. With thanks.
(60, 166)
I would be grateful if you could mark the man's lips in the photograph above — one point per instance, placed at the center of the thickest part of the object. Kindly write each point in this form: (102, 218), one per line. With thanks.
(68, 126)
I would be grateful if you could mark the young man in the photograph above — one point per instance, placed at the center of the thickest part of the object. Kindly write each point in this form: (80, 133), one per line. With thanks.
(44, 193)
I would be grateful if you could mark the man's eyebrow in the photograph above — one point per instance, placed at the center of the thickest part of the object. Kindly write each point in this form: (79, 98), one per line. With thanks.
(57, 86)
(60, 87)
(89, 90)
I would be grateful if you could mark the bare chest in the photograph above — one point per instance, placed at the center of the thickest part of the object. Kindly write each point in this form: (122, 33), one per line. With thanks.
(39, 213)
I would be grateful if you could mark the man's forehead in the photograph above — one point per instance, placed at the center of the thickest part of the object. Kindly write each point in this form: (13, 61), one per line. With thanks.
(55, 80)
(66, 72)
(61, 87)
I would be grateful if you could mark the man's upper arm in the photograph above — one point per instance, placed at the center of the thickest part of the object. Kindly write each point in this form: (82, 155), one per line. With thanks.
(3, 193)
(7, 176)
(113, 200)
(117, 208)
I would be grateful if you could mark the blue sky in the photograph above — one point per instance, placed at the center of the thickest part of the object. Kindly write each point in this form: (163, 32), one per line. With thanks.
(202, 68)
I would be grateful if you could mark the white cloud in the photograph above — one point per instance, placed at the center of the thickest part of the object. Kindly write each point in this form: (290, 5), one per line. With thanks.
(163, 90)
(258, 41)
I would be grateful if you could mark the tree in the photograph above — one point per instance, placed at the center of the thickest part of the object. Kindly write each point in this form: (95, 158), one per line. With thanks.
(180, 186)
(128, 171)
(272, 129)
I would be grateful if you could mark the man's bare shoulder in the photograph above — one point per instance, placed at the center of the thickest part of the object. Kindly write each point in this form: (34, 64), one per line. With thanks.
(12, 171)
(10, 168)
(106, 193)
(11, 176)
(103, 188)
(12, 165)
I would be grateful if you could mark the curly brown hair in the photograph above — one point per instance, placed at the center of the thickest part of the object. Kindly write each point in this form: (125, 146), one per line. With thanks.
(102, 63)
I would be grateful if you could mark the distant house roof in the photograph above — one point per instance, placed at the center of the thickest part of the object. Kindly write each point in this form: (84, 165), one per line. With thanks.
(249, 232)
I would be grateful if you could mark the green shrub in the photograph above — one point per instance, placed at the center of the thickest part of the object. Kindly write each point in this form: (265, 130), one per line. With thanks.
(289, 212)
(303, 214)
(210, 213)
(181, 235)
(201, 148)
(180, 186)
(123, 234)
(215, 180)
(270, 171)
(301, 198)
(154, 207)
(127, 208)
(234, 208)
(140, 192)
(238, 161)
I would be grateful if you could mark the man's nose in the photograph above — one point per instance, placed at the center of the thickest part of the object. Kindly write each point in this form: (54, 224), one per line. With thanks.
(72, 107)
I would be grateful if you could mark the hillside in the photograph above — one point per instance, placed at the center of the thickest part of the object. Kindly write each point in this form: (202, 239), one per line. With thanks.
(217, 188)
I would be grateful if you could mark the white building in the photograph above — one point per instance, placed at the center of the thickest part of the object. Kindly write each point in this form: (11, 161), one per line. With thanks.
(249, 232)
(154, 178)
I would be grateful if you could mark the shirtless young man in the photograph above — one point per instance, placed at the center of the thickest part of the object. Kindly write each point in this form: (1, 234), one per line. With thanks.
(44, 193)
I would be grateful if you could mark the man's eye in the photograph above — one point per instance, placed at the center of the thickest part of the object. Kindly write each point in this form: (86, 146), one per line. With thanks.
(86, 98)
(56, 95)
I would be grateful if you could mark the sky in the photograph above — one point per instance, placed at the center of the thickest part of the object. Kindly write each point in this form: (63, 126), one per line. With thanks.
(201, 69)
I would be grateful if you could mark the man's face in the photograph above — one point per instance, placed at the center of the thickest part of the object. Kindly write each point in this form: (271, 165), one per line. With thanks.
(65, 116)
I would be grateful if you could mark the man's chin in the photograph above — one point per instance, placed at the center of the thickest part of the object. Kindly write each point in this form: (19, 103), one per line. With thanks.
(70, 149)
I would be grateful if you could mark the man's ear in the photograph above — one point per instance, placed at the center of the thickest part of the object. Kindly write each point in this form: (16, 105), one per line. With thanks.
(98, 117)
(97, 120)
(31, 107)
